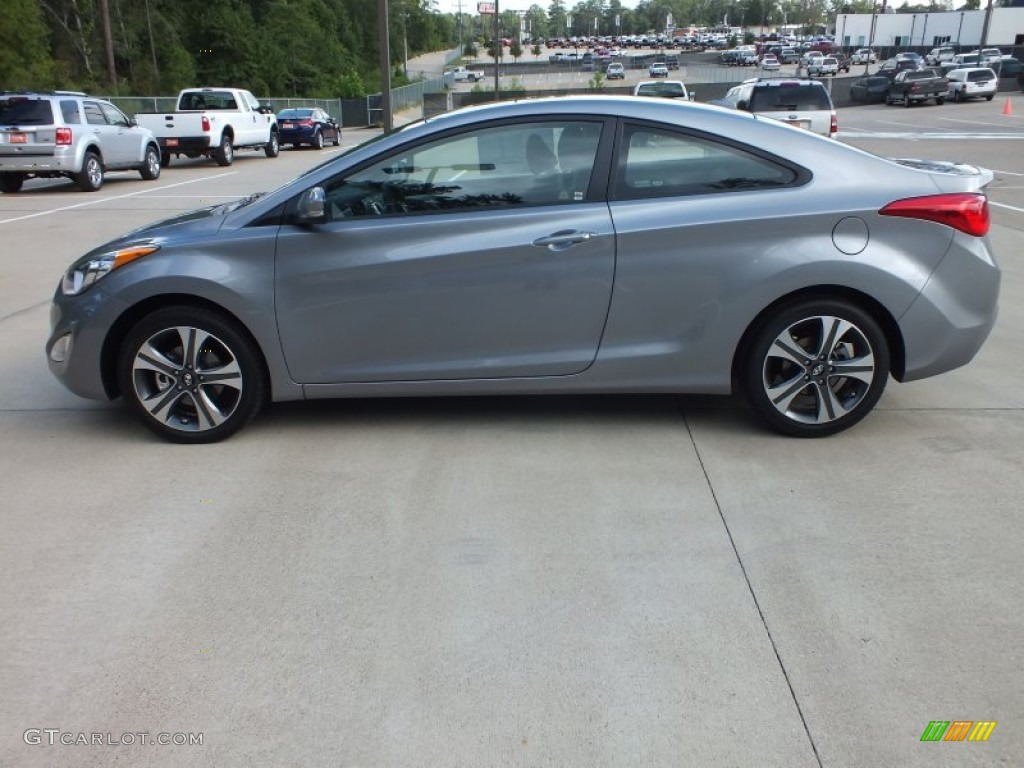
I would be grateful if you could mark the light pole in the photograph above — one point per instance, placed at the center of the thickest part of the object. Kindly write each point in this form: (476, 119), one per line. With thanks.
(385, 64)
(958, 30)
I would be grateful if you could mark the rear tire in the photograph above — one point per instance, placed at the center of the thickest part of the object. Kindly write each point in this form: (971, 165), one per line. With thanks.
(273, 147)
(940, 100)
(150, 169)
(989, 97)
(165, 159)
(11, 182)
(816, 367)
(906, 101)
(225, 153)
(90, 178)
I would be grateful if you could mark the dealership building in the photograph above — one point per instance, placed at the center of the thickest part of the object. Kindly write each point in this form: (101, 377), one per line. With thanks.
(965, 29)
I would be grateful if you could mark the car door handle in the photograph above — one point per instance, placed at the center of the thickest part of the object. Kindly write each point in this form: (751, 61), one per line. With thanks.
(563, 239)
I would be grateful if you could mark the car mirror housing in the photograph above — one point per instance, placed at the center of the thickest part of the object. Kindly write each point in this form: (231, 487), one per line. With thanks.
(742, 104)
(311, 205)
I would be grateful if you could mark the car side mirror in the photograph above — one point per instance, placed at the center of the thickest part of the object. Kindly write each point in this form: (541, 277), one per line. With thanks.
(691, 96)
(311, 207)
(742, 104)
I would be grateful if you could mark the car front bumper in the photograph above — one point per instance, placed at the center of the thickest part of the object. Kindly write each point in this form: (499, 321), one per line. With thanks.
(79, 326)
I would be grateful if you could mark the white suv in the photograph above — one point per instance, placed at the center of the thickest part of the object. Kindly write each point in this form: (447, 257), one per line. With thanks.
(801, 103)
(970, 82)
(63, 133)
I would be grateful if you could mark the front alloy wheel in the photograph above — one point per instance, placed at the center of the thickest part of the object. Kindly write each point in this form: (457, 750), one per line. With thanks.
(817, 368)
(192, 375)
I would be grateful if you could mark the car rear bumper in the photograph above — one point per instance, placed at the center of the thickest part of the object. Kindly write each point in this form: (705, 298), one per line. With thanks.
(954, 314)
(42, 162)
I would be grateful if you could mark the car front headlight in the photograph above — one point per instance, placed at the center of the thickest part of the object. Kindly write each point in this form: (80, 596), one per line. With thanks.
(85, 272)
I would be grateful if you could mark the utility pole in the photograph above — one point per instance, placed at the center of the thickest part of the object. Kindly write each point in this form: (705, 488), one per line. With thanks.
(385, 64)
(498, 50)
(984, 29)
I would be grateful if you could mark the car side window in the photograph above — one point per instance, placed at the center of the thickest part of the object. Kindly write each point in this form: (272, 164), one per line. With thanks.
(93, 113)
(113, 115)
(69, 111)
(654, 162)
(506, 166)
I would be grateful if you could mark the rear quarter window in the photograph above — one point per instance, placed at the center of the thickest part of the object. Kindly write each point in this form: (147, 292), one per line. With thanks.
(981, 76)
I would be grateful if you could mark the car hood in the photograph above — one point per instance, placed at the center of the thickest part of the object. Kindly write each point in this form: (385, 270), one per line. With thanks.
(951, 176)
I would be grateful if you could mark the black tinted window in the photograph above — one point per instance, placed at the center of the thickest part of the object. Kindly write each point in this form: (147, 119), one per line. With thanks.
(795, 96)
(981, 76)
(93, 113)
(17, 111)
(69, 111)
(659, 163)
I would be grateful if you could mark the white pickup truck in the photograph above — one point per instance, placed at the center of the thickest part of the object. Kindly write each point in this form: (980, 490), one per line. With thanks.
(471, 75)
(213, 122)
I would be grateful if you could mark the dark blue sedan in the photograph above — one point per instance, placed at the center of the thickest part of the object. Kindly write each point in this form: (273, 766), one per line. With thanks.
(308, 125)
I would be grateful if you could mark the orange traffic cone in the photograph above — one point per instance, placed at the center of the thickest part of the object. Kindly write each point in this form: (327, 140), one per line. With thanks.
(1008, 108)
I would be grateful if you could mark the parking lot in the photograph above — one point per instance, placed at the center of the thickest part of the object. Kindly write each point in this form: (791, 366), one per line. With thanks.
(587, 581)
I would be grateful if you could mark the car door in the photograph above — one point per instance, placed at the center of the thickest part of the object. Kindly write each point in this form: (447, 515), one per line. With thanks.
(692, 216)
(486, 253)
(121, 141)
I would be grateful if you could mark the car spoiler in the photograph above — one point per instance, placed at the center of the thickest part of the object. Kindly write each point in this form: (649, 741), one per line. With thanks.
(950, 176)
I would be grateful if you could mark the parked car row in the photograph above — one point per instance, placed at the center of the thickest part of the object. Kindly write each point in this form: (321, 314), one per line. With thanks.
(73, 135)
(910, 86)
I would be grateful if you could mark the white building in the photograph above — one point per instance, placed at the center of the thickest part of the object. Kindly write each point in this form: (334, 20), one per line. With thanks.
(927, 30)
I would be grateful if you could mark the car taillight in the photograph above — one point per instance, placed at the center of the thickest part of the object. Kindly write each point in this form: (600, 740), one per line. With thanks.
(305, 123)
(965, 211)
(834, 125)
(63, 136)
(206, 124)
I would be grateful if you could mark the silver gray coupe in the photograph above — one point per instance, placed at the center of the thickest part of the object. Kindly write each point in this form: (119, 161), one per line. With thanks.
(569, 245)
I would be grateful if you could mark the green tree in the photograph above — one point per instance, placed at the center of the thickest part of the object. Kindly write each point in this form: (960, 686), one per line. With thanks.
(516, 49)
(24, 47)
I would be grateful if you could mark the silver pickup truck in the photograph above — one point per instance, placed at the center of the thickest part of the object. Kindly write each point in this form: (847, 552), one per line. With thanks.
(213, 122)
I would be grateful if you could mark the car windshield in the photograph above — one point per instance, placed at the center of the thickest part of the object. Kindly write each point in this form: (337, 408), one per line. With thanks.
(23, 111)
(796, 96)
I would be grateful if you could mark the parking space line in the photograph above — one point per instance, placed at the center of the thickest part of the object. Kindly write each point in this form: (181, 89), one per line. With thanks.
(115, 197)
(1004, 205)
(1008, 173)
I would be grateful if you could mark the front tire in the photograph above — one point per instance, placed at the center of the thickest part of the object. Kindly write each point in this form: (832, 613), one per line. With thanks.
(150, 169)
(224, 154)
(273, 147)
(90, 178)
(337, 137)
(191, 374)
(816, 367)
(318, 139)
(10, 182)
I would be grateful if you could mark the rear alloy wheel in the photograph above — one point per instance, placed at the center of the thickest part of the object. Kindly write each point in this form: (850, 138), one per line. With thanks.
(90, 178)
(150, 169)
(816, 368)
(225, 153)
(11, 182)
(191, 374)
(273, 147)
(318, 139)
